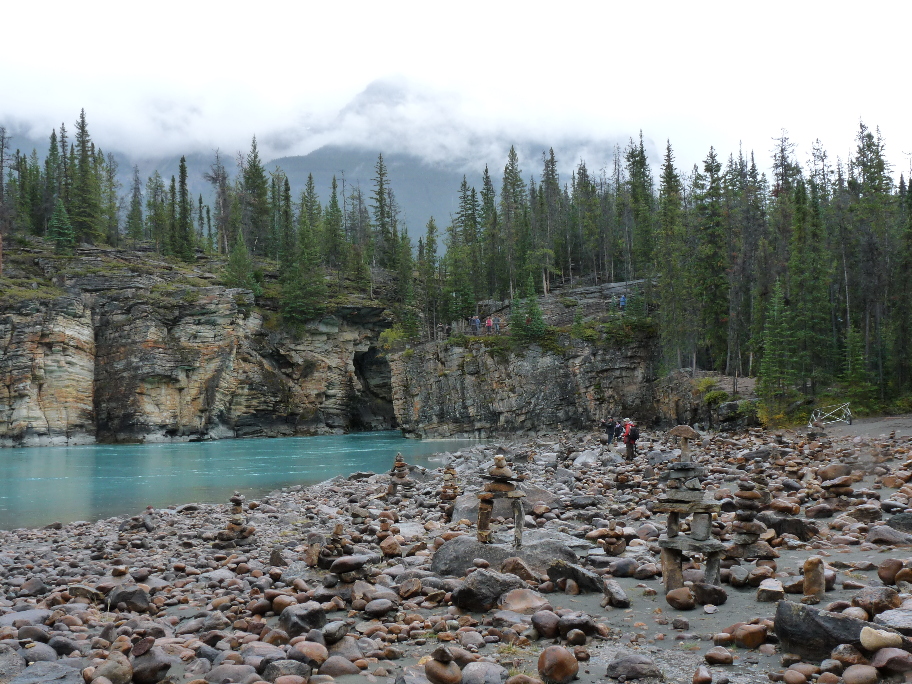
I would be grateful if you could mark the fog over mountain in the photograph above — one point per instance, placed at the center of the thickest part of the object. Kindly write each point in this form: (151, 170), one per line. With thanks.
(429, 140)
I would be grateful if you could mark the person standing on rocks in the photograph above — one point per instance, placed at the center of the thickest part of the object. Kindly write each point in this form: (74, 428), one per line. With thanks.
(631, 435)
(489, 325)
(496, 322)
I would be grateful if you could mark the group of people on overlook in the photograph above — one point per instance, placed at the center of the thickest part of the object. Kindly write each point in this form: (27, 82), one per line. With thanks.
(491, 325)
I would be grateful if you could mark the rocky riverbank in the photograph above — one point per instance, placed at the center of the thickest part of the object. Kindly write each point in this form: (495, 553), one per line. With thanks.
(354, 580)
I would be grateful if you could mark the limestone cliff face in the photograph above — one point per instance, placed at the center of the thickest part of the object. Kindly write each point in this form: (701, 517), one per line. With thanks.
(441, 389)
(116, 360)
(47, 372)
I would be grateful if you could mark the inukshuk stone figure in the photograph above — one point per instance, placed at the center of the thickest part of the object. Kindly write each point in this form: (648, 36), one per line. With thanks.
(237, 532)
(685, 496)
(400, 482)
(502, 483)
(449, 492)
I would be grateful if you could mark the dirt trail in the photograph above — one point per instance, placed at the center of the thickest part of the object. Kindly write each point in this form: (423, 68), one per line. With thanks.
(872, 427)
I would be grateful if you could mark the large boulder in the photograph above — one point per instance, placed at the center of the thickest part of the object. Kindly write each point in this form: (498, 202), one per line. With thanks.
(483, 588)
(117, 669)
(813, 633)
(34, 616)
(455, 556)
(282, 668)
(585, 579)
(48, 673)
(900, 620)
(133, 597)
(11, 663)
(484, 673)
(301, 618)
(152, 666)
(633, 666)
(901, 521)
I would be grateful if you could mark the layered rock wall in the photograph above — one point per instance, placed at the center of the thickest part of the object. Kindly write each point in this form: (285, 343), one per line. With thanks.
(441, 389)
(119, 364)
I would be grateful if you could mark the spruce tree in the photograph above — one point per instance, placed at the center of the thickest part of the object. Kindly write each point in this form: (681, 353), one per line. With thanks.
(527, 322)
(333, 237)
(239, 269)
(712, 262)
(385, 246)
(303, 285)
(60, 230)
(134, 227)
(183, 246)
(776, 370)
(255, 200)
(85, 201)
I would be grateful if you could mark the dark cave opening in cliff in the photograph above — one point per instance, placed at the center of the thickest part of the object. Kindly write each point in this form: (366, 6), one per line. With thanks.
(373, 405)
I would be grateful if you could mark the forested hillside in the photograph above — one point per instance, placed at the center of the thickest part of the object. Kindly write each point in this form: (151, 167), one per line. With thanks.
(799, 275)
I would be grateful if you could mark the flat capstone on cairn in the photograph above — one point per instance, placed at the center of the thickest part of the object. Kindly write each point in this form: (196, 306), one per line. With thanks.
(502, 483)
(685, 497)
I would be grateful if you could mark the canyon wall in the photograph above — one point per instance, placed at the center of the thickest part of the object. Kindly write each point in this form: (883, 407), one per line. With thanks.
(476, 389)
(132, 357)
(120, 346)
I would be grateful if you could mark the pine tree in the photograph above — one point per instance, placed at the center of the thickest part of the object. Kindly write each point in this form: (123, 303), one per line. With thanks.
(171, 245)
(776, 371)
(712, 262)
(85, 201)
(902, 314)
(333, 237)
(514, 220)
(156, 212)
(255, 201)
(183, 247)
(52, 185)
(385, 245)
(675, 297)
(527, 322)
(303, 285)
(134, 227)
(239, 269)
(640, 193)
(110, 197)
(60, 230)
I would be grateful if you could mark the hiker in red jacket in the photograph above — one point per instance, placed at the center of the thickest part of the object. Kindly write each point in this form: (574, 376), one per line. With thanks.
(631, 435)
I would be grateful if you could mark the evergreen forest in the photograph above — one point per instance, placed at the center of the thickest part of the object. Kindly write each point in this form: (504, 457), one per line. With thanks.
(797, 271)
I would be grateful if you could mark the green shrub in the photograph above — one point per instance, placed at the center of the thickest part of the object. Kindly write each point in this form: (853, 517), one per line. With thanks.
(704, 385)
(715, 397)
(392, 338)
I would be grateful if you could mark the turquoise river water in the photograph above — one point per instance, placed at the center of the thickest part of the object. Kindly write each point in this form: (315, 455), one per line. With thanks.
(41, 485)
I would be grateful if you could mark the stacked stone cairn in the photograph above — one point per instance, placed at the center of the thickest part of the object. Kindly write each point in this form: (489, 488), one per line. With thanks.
(449, 492)
(338, 545)
(401, 483)
(133, 532)
(237, 532)
(751, 498)
(614, 542)
(684, 496)
(501, 483)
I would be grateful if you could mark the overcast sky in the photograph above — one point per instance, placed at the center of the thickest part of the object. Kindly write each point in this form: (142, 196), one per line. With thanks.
(459, 80)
